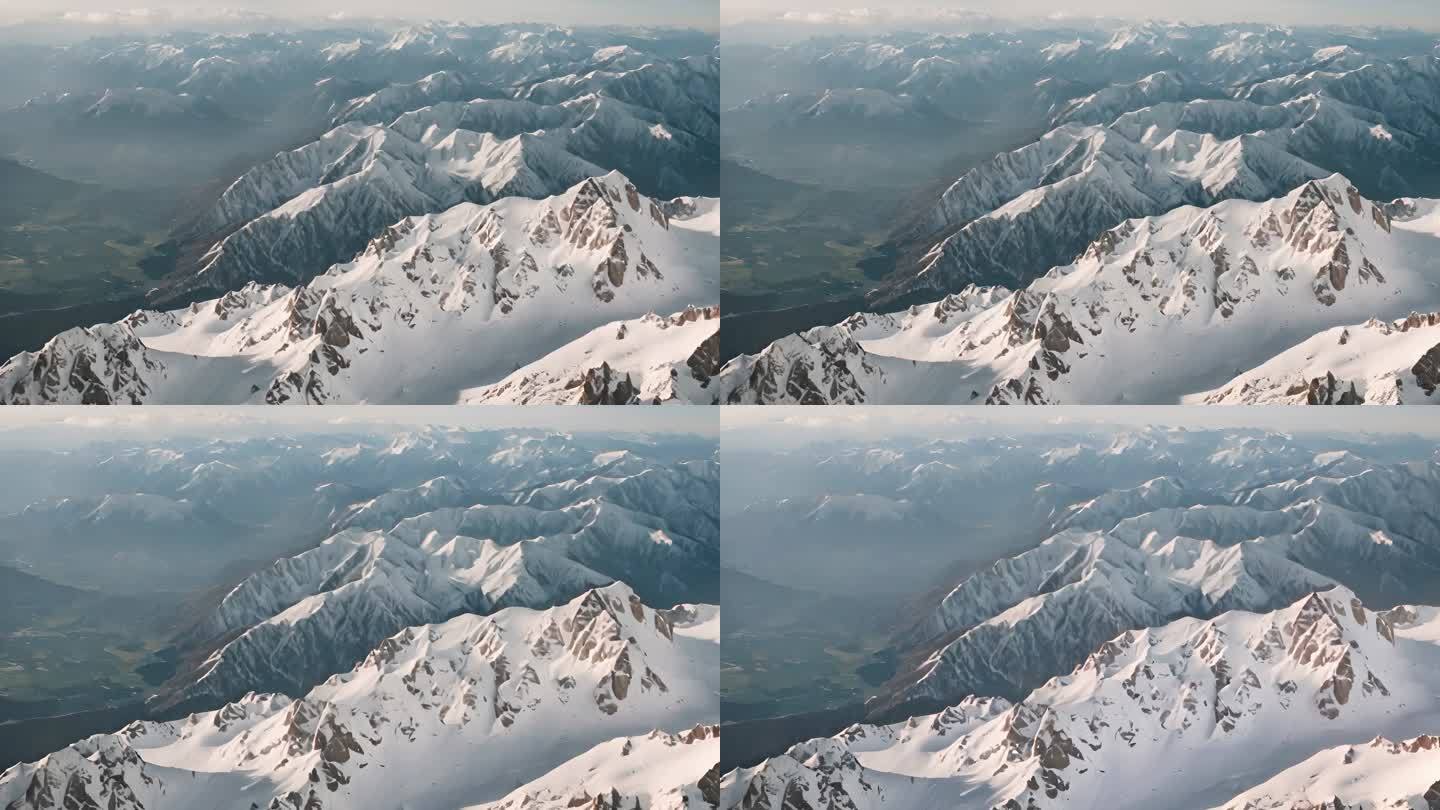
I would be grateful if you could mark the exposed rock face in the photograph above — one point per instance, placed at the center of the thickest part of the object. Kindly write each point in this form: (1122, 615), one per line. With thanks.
(1328, 391)
(1427, 370)
(100, 365)
(598, 388)
(704, 362)
(710, 784)
(821, 367)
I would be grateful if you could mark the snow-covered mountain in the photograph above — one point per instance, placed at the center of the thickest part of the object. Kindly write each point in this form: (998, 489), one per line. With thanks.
(103, 513)
(388, 508)
(1056, 541)
(1109, 103)
(1080, 180)
(459, 714)
(390, 102)
(1257, 301)
(347, 129)
(423, 147)
(123, 107)
(520, 278)
(356, 480)
(1185, 715)
(1142, 149)
(306, 616)
(661, 770)
(1083, 479)
(1141, 557)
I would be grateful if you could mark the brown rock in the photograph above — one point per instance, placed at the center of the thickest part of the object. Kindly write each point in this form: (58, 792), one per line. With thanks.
(1427, 370)
(704, 362)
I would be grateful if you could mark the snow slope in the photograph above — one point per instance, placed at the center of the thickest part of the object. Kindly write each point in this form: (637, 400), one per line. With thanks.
(652, 359)
(659, 771)
(1377, 773)
(1144, 559)
(1375, 363)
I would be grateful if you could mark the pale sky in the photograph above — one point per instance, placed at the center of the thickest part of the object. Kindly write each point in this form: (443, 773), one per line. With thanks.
(799, 424)
(690, 13)
(1411, 13)
(27, 424)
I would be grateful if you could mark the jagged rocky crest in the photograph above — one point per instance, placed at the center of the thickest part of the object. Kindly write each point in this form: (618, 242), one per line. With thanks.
(1204, 691)
(433, 698)
(1155, 310)
(523, 278)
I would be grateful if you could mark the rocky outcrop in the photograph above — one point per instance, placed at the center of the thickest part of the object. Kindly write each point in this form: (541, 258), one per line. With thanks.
(1427, 370)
